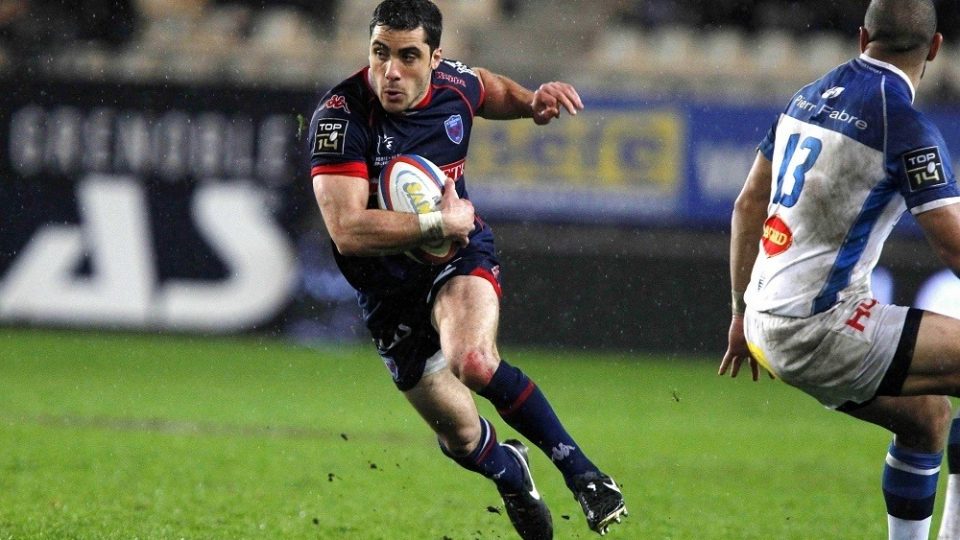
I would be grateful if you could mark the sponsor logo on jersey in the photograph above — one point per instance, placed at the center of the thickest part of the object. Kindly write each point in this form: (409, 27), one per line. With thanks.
(821, 112)
(336, 102)
(386, 141)
(777, 236)
(454, 170)
(841, 115)
(330, 136)
(924, 168)
(832, 92)
(454, 127)
(450, 78)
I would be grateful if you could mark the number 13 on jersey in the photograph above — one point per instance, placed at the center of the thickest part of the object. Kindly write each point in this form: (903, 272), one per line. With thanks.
(813, 146)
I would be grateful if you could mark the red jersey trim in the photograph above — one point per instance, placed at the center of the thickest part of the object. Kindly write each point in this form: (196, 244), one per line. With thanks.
(488, 275)
(352, 168)
(426, 99)
(463, 97)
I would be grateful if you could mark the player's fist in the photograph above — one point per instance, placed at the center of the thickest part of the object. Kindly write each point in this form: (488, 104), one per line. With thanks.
(457, 213)
(551, 97)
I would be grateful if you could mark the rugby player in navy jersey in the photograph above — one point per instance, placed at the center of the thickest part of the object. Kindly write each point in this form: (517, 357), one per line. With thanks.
(848, 156)
(435, 326)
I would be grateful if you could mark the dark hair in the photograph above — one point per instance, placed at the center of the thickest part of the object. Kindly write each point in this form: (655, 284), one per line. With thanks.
(901, 26)
(410, 15)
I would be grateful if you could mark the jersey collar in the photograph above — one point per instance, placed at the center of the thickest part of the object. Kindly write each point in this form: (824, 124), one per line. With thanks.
(894, 69)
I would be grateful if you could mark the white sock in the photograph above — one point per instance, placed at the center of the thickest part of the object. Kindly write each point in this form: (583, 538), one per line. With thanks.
(950, 526)
(907, 529)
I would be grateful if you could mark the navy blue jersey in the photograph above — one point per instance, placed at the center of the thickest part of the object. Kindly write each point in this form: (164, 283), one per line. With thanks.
(352, 135)
(850, 154)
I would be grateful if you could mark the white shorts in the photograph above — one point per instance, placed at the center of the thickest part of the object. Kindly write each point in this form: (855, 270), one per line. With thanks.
(840, 356)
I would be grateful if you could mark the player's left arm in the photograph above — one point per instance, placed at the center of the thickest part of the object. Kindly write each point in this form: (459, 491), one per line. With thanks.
(746, 229)
(506, 99)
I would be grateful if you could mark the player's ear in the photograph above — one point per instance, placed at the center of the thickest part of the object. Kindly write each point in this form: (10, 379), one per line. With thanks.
(935, 46)
(436, 57)
(864, 39)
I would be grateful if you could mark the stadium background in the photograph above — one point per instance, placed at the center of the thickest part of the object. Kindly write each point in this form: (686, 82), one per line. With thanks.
(162, 263)
(153, 176)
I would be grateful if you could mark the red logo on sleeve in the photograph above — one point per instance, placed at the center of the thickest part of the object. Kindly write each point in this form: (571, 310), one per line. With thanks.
(336, 102)
(777, 236)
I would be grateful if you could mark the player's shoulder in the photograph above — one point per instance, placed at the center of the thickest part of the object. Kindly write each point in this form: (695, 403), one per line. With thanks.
(455, 72)
(350, 96)
(884, 85)
(907, 125)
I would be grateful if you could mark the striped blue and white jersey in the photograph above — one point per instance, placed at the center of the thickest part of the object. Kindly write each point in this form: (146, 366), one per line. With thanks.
(850, 154)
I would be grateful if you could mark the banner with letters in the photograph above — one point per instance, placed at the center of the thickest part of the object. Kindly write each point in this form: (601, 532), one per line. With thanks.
(150, 207)
(175, 208)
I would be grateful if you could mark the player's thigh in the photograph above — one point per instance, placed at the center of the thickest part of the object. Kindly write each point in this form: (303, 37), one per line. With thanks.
(919, 422)
(935, 367)
(466, 313)
(448, 407)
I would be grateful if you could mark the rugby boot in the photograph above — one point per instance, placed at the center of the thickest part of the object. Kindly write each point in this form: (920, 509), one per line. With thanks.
(601, 500)
(527, 511)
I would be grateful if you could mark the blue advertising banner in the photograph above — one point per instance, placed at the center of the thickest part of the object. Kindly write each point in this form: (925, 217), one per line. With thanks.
(629, 162)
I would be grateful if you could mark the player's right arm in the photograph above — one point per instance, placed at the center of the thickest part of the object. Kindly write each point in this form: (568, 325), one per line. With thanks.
(746, 229)
(367, 232)
(339, 142)
(942, 228)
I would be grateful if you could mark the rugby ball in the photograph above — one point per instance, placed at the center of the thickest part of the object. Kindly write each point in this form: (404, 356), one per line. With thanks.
(413, 184)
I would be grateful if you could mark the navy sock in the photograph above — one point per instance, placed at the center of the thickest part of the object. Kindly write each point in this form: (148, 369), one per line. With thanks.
(491, 460)
(910, 483)
(953, 447)
(524, 407)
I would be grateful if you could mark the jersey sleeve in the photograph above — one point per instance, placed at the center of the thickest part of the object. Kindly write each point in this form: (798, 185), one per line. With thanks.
(766, 145)
(338, 137)
(919, 163)
(463, 79)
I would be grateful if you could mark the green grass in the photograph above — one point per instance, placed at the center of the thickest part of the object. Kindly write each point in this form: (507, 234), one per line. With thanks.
(133, 436)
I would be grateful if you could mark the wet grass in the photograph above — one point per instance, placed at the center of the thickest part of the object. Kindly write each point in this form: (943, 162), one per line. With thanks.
(138, 436)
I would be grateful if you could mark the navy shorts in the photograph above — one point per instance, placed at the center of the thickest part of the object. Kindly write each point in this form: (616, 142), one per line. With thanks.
(400, 323)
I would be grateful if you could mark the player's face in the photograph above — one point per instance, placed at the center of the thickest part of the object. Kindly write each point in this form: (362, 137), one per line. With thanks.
(400, 67)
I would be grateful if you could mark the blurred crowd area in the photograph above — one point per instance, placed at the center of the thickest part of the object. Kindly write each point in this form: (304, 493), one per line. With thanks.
(712, 49)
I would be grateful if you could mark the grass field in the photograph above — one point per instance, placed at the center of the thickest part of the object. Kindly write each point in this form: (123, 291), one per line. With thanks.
(133, 436)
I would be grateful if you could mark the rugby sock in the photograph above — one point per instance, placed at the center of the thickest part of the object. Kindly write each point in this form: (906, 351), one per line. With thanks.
(950, 523)
(909, 489)
(524, 407)
(491, 460)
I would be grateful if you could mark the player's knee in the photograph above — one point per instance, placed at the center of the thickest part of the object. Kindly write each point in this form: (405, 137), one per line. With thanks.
(474, 366)
(461, 440)
(940, 415)
(931, 426)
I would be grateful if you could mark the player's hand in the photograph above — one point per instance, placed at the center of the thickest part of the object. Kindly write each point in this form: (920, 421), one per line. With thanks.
(551, 97)
(458, 214)
(737, 351)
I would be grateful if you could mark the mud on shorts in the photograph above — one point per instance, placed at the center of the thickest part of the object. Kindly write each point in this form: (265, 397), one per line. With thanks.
(844, 357)
(401, 324)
